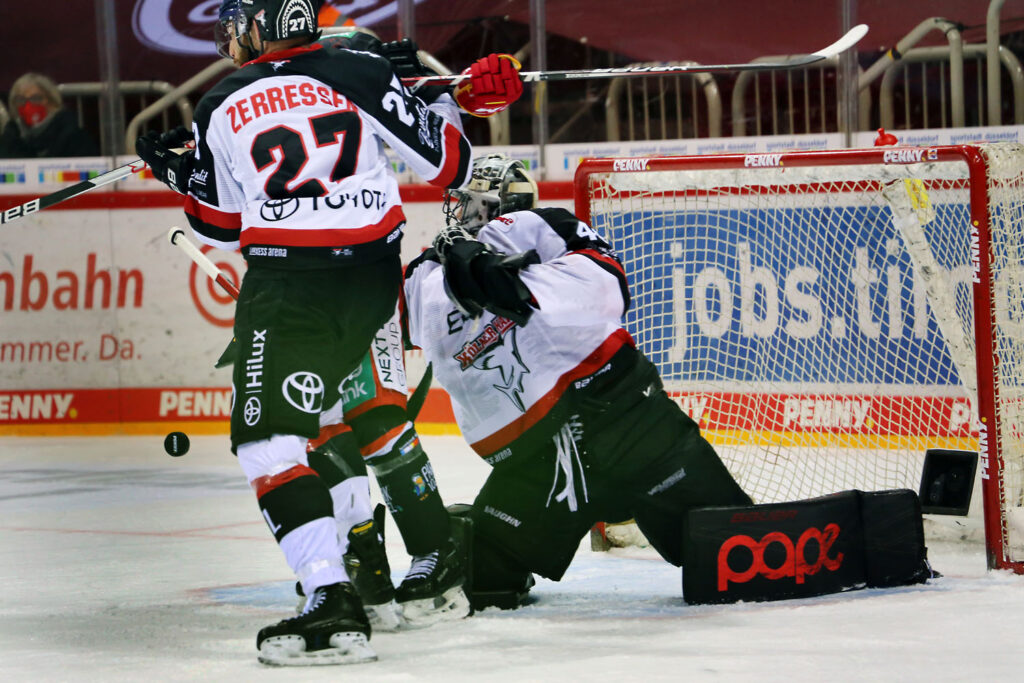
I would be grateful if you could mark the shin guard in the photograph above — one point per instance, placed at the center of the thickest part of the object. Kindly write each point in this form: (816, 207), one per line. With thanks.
(407, 484)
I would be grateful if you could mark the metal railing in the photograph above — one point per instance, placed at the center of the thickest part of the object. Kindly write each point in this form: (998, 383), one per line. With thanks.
(84, 99)
(956, 61)
(660, 104)
(952, 102)
(794, 101)
(135, 126)
(689, 105)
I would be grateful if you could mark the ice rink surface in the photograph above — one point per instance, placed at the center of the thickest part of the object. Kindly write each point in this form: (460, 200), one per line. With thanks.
(120, 563)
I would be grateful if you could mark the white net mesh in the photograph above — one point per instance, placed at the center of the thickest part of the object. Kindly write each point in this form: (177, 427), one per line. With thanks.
(1006, 216)
(818, 321)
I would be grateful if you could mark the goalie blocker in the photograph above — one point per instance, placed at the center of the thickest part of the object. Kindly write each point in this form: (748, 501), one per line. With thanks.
(844, 541)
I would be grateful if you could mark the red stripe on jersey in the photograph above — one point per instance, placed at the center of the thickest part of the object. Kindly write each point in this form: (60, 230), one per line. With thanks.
(384, 397)
(375, 446)
(451, 157)
(279, 55)
(215, 217)
(327, 237)
(264, 485)
(591, 364)
(326, 434)
(595, 255)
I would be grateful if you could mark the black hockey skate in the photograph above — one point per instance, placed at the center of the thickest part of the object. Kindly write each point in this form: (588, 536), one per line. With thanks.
(333, 629)
(367, 565)
(433, 589)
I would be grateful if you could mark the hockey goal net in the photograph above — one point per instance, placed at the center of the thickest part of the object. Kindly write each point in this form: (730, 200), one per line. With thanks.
(828, 317)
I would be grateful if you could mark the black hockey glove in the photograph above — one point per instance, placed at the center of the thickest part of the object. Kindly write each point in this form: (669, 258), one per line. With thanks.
(478, 279)
(403, 58)
(356, 40)
(168, 166)
(406, 62)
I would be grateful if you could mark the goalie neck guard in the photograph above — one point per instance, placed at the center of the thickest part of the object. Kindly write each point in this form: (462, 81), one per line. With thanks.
(498, 185)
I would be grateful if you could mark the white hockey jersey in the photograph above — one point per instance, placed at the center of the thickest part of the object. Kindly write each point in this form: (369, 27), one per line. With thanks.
(503, 378)
(289, 157)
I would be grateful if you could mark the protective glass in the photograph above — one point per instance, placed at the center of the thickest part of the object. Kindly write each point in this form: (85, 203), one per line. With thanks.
(227, 26)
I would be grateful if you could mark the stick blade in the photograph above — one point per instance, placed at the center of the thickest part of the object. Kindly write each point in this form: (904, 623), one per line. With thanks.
(849, 39)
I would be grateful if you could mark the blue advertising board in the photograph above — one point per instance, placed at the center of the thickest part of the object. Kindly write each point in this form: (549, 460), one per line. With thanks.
(803, 295)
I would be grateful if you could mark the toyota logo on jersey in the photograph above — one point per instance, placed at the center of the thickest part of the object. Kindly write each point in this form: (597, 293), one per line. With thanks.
(278, 209)
(252, 411)
(305, 391)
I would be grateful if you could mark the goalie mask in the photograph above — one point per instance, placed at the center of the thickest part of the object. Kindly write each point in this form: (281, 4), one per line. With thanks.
(498, 185)
(275, 20)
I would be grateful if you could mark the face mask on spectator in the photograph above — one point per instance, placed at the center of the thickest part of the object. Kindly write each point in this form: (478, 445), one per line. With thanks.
(32, 113)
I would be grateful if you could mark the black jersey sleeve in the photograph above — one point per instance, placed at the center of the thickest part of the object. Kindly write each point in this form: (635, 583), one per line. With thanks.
(581, 239)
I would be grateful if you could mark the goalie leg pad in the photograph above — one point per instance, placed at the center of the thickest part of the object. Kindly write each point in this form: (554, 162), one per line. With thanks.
(844, 541)
(894, 550)
(493, 578)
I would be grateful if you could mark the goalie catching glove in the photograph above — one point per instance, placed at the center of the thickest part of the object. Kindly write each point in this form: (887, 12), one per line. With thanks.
(168, 166)
(477, 279)
(493, 84)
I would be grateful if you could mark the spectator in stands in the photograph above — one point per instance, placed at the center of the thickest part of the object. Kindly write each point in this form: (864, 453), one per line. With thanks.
(39, 124)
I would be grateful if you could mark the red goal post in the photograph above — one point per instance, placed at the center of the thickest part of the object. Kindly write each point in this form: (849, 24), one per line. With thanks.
(830, 316)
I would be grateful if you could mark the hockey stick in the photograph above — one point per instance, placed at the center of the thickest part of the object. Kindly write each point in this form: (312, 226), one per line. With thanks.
(40, 203)
(177, 237)
(419, 395)
(851, 38)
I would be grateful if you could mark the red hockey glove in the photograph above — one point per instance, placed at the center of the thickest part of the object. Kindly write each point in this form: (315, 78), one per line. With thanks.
(493, 85)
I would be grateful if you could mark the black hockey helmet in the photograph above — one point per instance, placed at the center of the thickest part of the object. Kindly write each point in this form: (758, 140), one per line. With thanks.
(278, 19)
(498, 185)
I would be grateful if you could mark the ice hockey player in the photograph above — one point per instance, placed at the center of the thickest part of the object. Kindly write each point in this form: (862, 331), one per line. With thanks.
(370, 418)
(372, 421)
(375, 418)
(288, 166)
(519, 308)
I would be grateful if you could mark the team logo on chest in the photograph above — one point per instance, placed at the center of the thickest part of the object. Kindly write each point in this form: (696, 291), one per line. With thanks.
(495, 348)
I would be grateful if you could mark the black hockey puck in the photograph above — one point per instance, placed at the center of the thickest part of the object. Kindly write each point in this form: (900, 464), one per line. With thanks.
(176, 444)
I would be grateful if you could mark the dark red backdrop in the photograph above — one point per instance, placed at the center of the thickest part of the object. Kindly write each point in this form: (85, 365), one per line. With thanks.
(171, 39)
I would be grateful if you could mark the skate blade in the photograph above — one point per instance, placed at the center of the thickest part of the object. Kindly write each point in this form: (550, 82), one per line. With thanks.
(345, 648)
(386, 617)
(450, 606)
